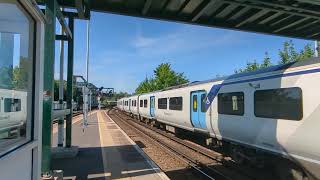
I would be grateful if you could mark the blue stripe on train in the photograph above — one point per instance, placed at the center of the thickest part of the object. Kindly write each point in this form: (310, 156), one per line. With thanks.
(215, 88)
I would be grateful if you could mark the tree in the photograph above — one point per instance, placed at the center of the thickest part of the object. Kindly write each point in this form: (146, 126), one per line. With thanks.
(251, 66)
(21, 75)
(6, 77)
(286, 55)
(56, 84)
(164, 77)
(289, 54)
(266, 61)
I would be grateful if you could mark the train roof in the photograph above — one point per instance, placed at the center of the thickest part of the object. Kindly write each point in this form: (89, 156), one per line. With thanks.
(310, 61)
(275, 68)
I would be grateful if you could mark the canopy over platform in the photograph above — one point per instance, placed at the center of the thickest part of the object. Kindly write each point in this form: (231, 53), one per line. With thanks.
(291, 18)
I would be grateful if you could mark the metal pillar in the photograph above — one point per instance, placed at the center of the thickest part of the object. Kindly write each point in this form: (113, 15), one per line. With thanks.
(70, 84)
(50, 30)
(61, 85)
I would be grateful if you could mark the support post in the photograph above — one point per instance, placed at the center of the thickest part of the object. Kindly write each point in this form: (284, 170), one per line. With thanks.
(70, 84)
(50, 32)
(61, 95)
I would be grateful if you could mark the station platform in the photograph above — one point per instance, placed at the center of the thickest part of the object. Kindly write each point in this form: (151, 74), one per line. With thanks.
(105, 152)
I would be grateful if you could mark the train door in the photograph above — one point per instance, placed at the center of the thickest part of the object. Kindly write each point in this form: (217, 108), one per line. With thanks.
(152, 106)
(198, 115)
(129, 104)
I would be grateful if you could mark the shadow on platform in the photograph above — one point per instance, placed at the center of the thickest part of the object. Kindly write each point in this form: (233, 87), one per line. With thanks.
(121, 162)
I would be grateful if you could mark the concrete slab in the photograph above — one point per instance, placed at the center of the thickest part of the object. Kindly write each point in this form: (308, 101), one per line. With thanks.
(106, 152)
(63, 152)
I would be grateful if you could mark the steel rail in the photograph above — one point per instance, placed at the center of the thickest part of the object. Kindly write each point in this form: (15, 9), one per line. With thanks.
(195, 164)
(201, 150)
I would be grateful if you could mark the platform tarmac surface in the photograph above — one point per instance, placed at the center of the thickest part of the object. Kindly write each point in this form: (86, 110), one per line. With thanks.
(105, 152)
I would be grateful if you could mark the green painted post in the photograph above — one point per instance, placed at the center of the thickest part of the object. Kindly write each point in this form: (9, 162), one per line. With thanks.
(70, 83)
(48, 75)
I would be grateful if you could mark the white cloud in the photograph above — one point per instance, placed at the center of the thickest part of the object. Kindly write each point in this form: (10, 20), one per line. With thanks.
(184, 40)
(124, 68)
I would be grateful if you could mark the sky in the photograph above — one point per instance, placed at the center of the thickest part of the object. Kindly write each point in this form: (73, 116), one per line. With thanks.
(125, 50)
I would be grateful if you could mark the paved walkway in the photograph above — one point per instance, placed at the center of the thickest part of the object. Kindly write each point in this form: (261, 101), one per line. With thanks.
(105, 152)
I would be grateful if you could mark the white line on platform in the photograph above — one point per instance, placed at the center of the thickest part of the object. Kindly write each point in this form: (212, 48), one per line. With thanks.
(152, 164)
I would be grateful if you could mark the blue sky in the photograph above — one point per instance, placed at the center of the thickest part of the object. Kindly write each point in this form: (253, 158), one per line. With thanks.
(124, 50)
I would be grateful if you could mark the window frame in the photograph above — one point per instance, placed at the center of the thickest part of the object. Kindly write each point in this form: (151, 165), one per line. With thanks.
(195, 100)
(180, 109)
(161, 104)
(145, 103)
(141, 103)
(232, 114)
(269, 117)
(203, 102)
(37, 30)
(11, 99)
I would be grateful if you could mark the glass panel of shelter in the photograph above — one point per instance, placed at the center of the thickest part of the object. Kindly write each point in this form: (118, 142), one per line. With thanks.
(17, 29)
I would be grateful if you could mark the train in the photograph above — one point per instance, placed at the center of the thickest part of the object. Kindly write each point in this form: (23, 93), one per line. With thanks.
(269, 116)
(13, 111)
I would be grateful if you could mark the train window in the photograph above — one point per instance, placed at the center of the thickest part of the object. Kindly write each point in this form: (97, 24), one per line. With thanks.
(12, 105)
(231, 103)
(145, 103)
(284, 103)
(141, 103)
(175, 103)
(162, 103)
(195, 103)
(203, 102)
(17, 44)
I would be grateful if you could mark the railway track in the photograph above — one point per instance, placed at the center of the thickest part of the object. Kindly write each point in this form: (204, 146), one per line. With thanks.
(208, 163)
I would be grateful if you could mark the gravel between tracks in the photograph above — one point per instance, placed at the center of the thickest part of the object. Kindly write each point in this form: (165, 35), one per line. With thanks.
(174, 167)
(169, 164)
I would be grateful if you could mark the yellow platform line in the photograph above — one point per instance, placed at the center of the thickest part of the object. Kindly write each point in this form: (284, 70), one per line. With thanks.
(101, 122)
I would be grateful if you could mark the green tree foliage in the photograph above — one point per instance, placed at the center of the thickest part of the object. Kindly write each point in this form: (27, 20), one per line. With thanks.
(15, 77)
(56, 84)
(286, 55)
(21, 75)
(114, 97)
(164, 77)
(6, 77)
(290, 54)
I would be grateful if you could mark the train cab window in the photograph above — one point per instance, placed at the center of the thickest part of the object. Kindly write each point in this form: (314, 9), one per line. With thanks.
(175, 103)
(141, 103)
(195, 103)
(231, 103)
(283, 103)
(162, 103)
(17, 47)
(12, 105)
(145, 103)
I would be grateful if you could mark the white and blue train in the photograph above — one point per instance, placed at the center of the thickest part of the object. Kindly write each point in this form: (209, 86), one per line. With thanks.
(270, 115)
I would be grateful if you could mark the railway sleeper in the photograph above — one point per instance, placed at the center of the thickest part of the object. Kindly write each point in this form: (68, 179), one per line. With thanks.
(283, 168)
